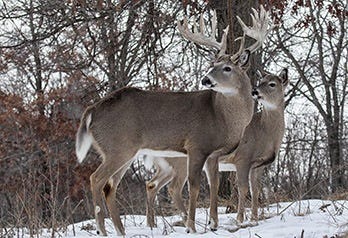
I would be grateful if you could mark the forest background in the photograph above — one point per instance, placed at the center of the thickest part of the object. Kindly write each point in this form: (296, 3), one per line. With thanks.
(58, 56)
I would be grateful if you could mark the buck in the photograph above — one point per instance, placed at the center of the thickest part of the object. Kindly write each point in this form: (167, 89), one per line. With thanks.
(201, 125)
(257, 148)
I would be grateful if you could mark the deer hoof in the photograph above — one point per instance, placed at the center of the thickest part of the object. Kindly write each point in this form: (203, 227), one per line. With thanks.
(190, 230)
(212, 224)
(240, 218)
(99, 233)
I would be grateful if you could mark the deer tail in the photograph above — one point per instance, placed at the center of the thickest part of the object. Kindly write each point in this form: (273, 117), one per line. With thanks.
(84, 139)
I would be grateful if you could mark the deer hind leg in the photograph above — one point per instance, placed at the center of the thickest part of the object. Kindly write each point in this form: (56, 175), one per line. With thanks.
(255, 174)
(196, 162)
(152, 187)
(99, 180)
(212, 171)
(175, 191)
(242, 181)
(111, 201)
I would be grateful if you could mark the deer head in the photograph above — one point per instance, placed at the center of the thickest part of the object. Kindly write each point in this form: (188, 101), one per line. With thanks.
(226, 67)
(270, 89)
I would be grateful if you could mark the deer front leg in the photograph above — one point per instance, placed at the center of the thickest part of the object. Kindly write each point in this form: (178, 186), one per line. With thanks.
(212, 171)
(196, 161)
(175, 192)
(255, 175)
(242, 181)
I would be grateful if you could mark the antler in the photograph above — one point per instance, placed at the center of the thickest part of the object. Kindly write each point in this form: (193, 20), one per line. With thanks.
(258, 31)
(197, 36)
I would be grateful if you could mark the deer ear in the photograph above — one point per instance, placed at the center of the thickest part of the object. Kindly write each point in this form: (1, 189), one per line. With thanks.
(244, 59)
(284, 76)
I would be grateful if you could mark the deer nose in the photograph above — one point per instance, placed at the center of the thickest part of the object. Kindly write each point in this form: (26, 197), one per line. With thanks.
(206, 81)
(255, 92)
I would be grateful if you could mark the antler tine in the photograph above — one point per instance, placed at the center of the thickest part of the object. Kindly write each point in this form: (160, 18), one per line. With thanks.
(223, 42)
(235, 57)
(214, 22)
(263, 13)
(255, 14)
(197, 35)
(258, 31)
(201, 24)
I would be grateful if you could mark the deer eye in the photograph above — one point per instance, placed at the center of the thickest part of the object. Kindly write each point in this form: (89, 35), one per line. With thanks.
(227, 69)
(272, 84)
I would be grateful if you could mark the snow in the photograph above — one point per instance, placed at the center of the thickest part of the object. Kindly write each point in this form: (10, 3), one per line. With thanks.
(313, 218)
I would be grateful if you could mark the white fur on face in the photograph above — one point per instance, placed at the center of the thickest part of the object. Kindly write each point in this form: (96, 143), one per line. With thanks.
(267, 105)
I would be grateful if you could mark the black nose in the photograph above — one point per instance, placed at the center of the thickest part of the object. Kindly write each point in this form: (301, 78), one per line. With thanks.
(206, 81)
(255, 92)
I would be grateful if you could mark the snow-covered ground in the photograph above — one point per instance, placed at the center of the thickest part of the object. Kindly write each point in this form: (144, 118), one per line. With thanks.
(312, 218)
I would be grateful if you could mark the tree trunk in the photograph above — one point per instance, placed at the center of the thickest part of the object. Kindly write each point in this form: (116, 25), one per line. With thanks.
(336, 160)
(37, 70)
(226, 12)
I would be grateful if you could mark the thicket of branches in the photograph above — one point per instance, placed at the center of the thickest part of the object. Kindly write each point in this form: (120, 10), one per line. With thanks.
(56, 57)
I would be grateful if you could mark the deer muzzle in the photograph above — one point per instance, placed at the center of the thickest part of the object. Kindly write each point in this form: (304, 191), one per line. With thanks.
(206, 81)
(255, 93)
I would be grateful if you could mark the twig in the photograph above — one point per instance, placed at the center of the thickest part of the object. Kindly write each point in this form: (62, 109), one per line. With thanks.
(166, 224)
(286, 208)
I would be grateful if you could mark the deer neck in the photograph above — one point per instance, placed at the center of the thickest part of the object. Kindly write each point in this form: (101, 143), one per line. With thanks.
(272, 127)
(273, 118)
(235, 110)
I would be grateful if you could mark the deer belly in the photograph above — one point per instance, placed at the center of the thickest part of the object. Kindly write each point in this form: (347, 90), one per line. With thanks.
(160, 153)
(225, 167)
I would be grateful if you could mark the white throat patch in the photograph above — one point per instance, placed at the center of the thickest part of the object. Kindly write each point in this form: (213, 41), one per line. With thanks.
(268, 105)
(225, 91)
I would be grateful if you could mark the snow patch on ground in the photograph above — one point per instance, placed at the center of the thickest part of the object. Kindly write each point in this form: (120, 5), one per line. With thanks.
(315, 218)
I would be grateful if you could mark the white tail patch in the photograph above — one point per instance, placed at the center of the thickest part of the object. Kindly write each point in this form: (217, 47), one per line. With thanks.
(148, 162)
(84, 147)
(88, 120)
(84, 140)
(162, 164)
